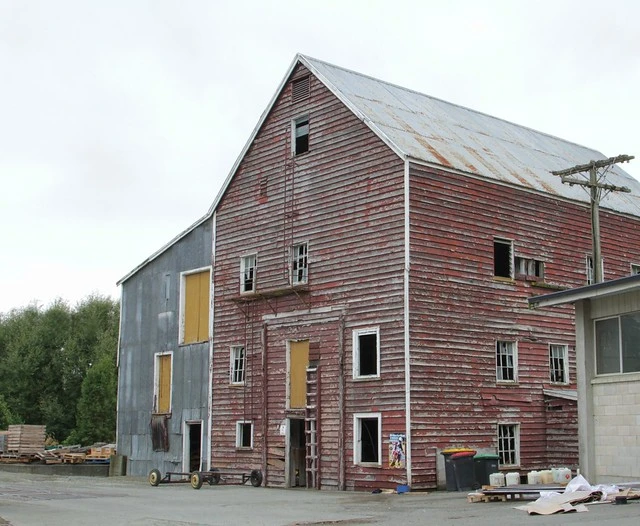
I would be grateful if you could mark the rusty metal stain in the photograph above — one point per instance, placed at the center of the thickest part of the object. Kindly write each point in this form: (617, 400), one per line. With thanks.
(469, 140)
(441, 158)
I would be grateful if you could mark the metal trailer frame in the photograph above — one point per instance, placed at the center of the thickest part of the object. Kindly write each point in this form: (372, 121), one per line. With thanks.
(198, 478)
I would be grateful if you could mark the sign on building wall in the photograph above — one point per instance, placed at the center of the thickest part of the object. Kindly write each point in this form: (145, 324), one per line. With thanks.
(396, 450)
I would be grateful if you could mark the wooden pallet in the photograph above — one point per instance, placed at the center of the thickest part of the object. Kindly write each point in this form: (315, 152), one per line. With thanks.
(479, 497)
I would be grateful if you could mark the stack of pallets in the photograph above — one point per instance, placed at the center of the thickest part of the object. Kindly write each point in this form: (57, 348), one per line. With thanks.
(24, 442)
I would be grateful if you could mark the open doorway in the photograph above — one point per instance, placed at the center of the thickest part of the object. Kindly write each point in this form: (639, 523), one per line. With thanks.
(193, 446)
(297, 452)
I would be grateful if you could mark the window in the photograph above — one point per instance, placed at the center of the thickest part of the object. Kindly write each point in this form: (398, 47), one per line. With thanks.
(508, 444)
(367, 444)
(591, 278)
(503, 258)
(558, 362)
(195, 286)
(248, 273)
(530, 269)
(299, 264)
(300, 89)
(366, 353)
(238, 364)
(635, 269)
(300, 140)
(618, 344)
(506, 362)
(244, 435)
(162, 383)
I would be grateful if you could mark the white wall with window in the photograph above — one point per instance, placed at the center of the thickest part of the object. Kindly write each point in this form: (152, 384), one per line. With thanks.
(238, 365)
(366, 353)
(506, 361)
(367, 439)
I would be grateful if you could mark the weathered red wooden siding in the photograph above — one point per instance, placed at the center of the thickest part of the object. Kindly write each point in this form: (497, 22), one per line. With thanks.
(458, 311)
(344, 197)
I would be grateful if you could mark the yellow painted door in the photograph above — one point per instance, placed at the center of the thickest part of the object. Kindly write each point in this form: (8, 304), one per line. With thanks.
(298, 363)
(164, 383)
(196, 307)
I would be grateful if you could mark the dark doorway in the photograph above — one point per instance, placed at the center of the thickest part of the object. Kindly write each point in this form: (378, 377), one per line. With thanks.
(297, 453)
(195, 446)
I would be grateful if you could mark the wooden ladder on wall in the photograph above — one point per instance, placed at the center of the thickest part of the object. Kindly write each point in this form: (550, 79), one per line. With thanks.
(311, 429)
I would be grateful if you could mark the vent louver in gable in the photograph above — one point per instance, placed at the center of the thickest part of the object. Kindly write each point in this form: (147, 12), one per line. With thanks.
(300, 89)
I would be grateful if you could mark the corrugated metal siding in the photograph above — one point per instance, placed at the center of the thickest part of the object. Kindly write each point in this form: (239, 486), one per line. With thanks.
(150, 324)
(435, 131)
(458, 309)
(344, 197)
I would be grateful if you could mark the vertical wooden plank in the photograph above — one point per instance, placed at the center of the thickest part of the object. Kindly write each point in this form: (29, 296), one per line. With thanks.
(298, 362)
(191, 304)
(203, 306)
(164, 383)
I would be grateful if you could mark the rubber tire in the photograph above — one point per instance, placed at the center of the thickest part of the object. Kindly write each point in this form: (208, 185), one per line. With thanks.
(154, 477)
(215, 477)
(196, 480)
(256, 478)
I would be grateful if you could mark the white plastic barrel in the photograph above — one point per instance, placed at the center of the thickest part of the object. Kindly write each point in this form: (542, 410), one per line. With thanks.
(496, 479)
(533, 477)
(546, 476)
(564, 475)
(513, 478)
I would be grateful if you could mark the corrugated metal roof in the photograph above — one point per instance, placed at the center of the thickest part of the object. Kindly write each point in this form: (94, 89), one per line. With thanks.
(434, 131)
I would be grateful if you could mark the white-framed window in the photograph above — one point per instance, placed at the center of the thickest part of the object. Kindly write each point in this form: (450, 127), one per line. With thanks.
(195, 305)
(508, 445)
(591, 277)
(506, 361)
(367, 438)
(248, 273)
(529, 268)
(162, 382)
(366, 353)
(635, 269)
(238, 364)
(618, 344)
(300, 132)
(299, 264)
(558, 364)
(244, 435)
(503, 258)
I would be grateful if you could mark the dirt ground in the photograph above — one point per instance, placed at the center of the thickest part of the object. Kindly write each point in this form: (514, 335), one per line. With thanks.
(28, 499)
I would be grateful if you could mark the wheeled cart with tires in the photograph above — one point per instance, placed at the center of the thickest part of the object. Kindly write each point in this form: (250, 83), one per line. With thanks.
(213, 477)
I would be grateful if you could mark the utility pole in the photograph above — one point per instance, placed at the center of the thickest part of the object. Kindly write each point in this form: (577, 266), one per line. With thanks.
(595, 183)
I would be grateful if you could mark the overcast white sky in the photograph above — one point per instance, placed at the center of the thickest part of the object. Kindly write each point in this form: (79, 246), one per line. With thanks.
(120, 120)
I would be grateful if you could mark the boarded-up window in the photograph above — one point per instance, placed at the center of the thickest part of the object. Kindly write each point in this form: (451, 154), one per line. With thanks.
(298, 363)
(163, 384)
(196, 307)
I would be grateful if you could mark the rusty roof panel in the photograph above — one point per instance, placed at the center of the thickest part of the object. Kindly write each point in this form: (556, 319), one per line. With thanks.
(439, 132)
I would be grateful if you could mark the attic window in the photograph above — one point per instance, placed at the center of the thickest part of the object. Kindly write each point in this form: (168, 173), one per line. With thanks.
(300, 135)
(300, 89)
(502, 258)
(530, 269)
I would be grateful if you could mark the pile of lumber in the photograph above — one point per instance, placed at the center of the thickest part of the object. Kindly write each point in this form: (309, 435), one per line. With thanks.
(25, 440)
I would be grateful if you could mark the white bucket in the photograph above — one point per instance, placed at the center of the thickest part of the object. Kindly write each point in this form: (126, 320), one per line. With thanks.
(496, 479)
(564, 475)
(533, 477)
(546, 476)
(513, 479)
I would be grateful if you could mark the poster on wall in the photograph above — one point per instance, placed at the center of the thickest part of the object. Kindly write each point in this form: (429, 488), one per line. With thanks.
(396, 450)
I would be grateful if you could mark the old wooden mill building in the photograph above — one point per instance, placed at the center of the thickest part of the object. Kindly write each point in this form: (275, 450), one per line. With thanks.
(355, 299)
